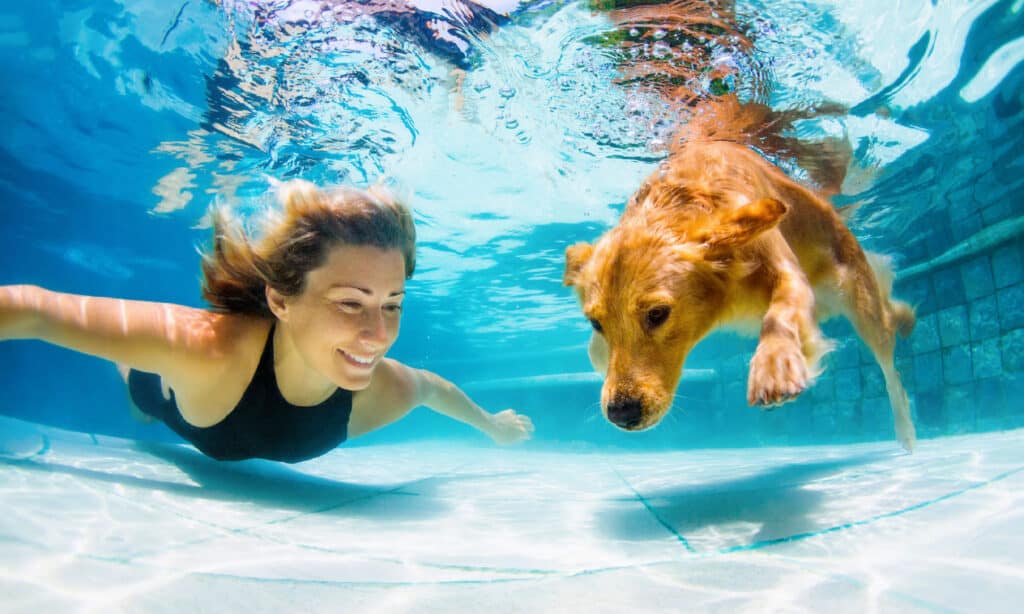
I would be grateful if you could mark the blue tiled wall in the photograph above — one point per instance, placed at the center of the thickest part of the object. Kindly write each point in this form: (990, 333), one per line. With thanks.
(972, 380)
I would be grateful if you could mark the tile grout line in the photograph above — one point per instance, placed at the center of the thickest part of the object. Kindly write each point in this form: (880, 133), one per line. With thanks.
(809, 534)
(859, 523)
(682, 540)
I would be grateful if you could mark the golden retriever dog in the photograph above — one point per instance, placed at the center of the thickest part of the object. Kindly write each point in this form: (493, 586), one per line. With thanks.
(719, 236)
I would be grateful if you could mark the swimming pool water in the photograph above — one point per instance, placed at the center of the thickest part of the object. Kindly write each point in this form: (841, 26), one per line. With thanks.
(130, 118)
(124, 120)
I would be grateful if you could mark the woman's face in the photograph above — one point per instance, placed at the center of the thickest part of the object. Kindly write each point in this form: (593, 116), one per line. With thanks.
(347, 317)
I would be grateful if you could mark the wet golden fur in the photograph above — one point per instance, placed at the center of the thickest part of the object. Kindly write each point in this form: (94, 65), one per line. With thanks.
(719, 236)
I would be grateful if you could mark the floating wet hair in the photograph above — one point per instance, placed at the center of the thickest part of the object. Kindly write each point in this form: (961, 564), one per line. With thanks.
(296, 239)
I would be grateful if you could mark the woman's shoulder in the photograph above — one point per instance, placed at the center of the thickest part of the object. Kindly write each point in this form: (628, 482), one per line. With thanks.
(220, 370)
(234, 338)
(221, 345)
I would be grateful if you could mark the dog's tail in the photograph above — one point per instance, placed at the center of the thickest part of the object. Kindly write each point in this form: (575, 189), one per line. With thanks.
(902, 313)
(770, 131)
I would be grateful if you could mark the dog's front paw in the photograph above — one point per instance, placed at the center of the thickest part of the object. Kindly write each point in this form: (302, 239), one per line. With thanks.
(778, 373)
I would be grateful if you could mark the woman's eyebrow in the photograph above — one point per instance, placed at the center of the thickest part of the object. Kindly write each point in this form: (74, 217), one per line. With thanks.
(365, 291)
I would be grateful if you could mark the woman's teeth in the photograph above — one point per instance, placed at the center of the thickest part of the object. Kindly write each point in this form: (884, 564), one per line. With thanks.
(360, 360)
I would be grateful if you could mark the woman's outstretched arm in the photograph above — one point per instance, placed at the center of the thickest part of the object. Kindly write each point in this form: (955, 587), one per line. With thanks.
(397, 389)
(446, 398)
(156, 337)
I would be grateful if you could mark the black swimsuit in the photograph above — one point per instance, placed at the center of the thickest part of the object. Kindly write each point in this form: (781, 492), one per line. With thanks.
(262, 425)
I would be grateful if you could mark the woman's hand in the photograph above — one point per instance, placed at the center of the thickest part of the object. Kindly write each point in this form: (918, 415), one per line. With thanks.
(510, 427)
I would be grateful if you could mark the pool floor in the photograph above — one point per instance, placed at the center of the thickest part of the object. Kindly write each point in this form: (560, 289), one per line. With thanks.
(101, 524)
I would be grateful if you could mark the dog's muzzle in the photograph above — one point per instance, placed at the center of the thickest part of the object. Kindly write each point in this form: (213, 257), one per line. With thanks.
(625, 413)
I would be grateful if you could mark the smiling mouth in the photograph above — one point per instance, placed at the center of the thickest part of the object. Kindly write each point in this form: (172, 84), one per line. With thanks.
(364, 362)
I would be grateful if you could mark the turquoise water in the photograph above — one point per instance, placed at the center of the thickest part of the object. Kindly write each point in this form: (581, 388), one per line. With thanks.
(514, 137)
(124, 121)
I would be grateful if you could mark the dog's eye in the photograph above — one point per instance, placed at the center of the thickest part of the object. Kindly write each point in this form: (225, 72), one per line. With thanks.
(657, 316)
(596, 325)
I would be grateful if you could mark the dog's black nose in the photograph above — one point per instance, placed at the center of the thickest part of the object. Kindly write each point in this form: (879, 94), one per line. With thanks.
(625, 412)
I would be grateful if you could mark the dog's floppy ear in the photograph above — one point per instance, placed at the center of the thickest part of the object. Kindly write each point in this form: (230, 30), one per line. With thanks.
(745, 224)
(576, 256)
(639, 196)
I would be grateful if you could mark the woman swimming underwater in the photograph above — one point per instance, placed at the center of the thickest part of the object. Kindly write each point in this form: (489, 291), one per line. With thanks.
(290, 360)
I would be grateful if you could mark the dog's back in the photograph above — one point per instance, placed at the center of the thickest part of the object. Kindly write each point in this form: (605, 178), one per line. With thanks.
(714, 153)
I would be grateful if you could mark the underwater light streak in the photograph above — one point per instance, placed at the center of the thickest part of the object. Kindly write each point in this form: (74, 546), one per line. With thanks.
(995, 69)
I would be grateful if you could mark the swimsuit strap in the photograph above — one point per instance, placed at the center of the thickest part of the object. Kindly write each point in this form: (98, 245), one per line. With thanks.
(266, 379)
(265, 370)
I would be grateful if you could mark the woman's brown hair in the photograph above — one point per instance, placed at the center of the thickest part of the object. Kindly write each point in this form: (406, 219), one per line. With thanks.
(296, 240)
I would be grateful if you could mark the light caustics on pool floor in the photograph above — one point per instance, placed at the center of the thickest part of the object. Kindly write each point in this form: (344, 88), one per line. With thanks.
(94, 523)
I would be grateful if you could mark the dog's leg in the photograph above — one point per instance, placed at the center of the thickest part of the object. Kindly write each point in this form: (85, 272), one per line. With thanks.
(904, 424)
(790, 345)
(883, 348)
(877, 320)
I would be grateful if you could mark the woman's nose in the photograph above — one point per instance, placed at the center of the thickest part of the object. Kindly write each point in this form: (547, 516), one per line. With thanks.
(374, 327)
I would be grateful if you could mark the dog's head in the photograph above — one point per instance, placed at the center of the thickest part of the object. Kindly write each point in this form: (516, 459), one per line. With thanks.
(654, 286)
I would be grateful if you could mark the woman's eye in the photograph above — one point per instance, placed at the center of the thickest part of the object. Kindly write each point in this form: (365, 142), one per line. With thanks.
(393, 308)
(596, 325)
(657, 316)
(348, 306)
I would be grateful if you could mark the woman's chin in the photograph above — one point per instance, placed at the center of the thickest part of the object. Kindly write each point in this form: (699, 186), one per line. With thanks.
(354, 384)
(353, 375)
(348, 380)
